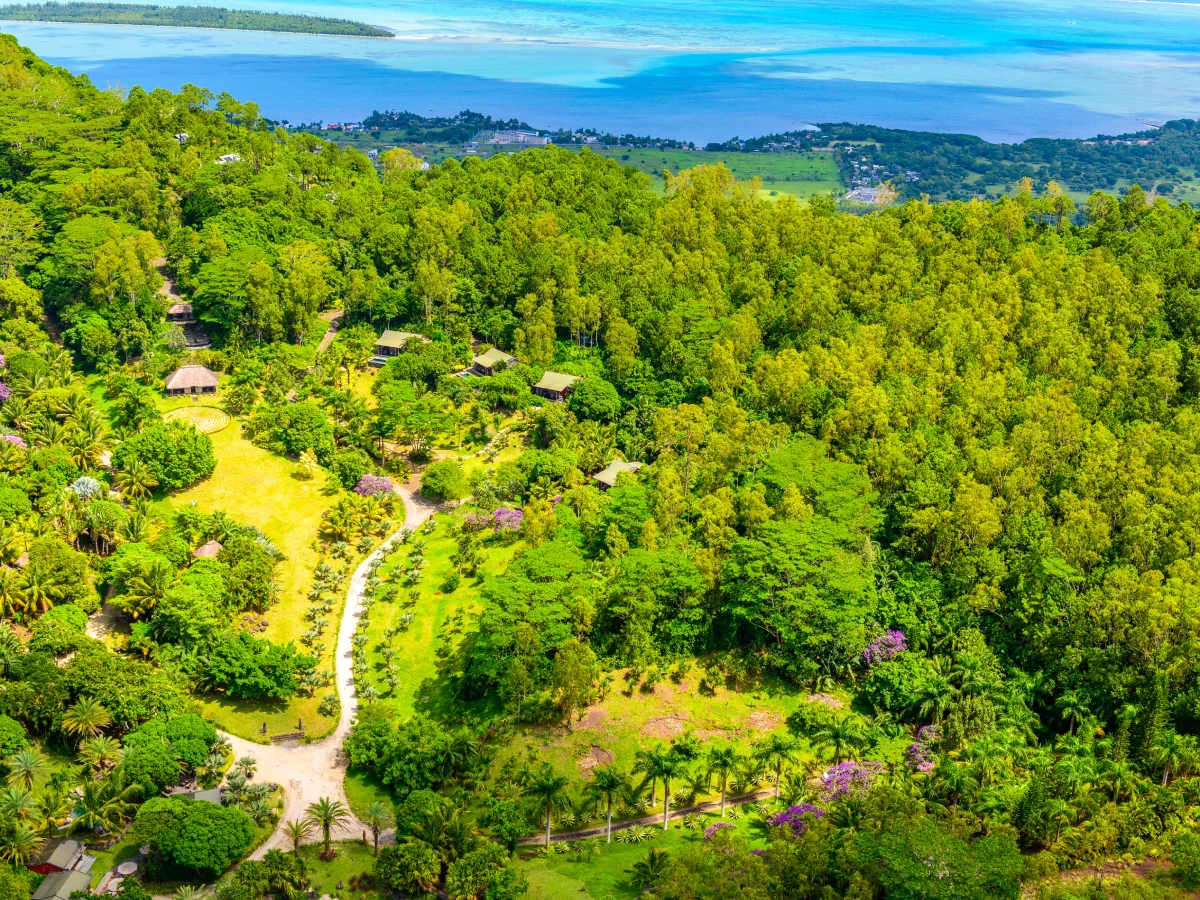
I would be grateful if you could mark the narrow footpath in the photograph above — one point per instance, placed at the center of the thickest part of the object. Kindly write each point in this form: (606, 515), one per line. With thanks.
(308, 772)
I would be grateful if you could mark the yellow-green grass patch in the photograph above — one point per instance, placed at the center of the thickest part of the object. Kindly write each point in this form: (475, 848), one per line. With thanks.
(353, 858)
(256, 487)
(207, 419)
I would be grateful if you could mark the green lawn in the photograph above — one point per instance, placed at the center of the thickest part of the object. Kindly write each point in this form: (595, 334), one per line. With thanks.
(799, 174)
(362, 790)
(437, 617)
(606, 877)
(257, 487)
(353, 858)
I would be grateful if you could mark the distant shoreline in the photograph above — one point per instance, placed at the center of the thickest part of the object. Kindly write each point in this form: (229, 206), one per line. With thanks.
(205, 17)
(368, 37)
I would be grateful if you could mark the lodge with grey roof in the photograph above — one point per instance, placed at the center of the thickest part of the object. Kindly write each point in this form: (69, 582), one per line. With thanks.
(607, 477)
(485, 363)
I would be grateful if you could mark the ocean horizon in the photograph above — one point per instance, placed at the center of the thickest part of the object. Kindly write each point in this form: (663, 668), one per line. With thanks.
(685, 70)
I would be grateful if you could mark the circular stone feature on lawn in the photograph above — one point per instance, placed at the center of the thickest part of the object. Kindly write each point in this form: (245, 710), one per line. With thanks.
(206, 418)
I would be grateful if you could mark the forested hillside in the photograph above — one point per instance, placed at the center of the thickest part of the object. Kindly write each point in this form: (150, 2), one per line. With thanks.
(920, 503)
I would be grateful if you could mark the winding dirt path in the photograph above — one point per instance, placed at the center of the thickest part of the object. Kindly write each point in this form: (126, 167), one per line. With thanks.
(308, 772)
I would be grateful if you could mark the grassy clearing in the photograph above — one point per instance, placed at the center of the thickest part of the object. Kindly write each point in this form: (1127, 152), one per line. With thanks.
(438, 619)
(607, 876)
(362, 789)
(353, 858)
(256, 487)
(800, 175)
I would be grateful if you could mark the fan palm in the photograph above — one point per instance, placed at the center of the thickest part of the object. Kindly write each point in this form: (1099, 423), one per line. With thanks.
(327, 814)
(608, 786)
(246, 765)
(549, 793)
(839, 736)
(16, 804)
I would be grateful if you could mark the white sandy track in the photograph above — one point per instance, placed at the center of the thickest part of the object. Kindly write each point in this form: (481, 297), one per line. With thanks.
(308, 772)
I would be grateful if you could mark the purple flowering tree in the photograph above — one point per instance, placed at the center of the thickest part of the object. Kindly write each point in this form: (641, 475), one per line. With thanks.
(888, 646)
(920, 756)
(713, 829)
(851, 778)
(799, 817)
(5, 392)
(374, 485)
(507, 522)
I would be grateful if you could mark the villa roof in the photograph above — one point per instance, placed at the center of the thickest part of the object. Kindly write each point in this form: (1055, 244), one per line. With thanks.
(397, 339)
(556, 381)
(179, 309)
(60, 853)
(212, 795)
(209, 550)
(608, 475)
(188, 377)
(493, 356)
(60, 885)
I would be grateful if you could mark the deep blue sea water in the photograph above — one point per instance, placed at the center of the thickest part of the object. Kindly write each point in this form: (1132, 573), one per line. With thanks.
(688, 69)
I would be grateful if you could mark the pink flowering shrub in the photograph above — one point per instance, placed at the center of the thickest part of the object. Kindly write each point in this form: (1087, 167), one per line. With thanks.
(5, 392)
(920, 756)
(374, 485)
(853, 777)
(886, 647)
(14, 440)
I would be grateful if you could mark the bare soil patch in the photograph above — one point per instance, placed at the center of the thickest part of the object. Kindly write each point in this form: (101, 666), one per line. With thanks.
(595, 717)
(764, 721)
(598, 756)
(664, 727)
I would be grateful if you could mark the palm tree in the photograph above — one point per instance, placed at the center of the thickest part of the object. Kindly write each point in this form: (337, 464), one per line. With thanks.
(777, 751)
(27, 767)
(298, 831)
(649, 870)
(549, 793)
(444, 828)
(105, 804)
(188, 892)
(327, 814)
(935, 698)
(145, 590)
(722, 761)
(1174, 752)
(609, 785)
(53, 811)
(246, 765)
(85, 718)
(1059, 813)
(100, 753)
(1119, 776)
(839, 735)
(135, 479)
(40, 590)
(12, 593)
(644, 762)
(19, 842)
(1073, 708)
(377, 817)
(664, 767)
(16, 804)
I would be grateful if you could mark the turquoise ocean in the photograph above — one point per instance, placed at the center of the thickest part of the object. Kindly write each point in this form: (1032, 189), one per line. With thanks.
(688, 69)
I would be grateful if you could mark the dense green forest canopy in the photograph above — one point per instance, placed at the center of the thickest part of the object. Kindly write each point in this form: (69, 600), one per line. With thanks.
(185, 17)
(944, 459)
